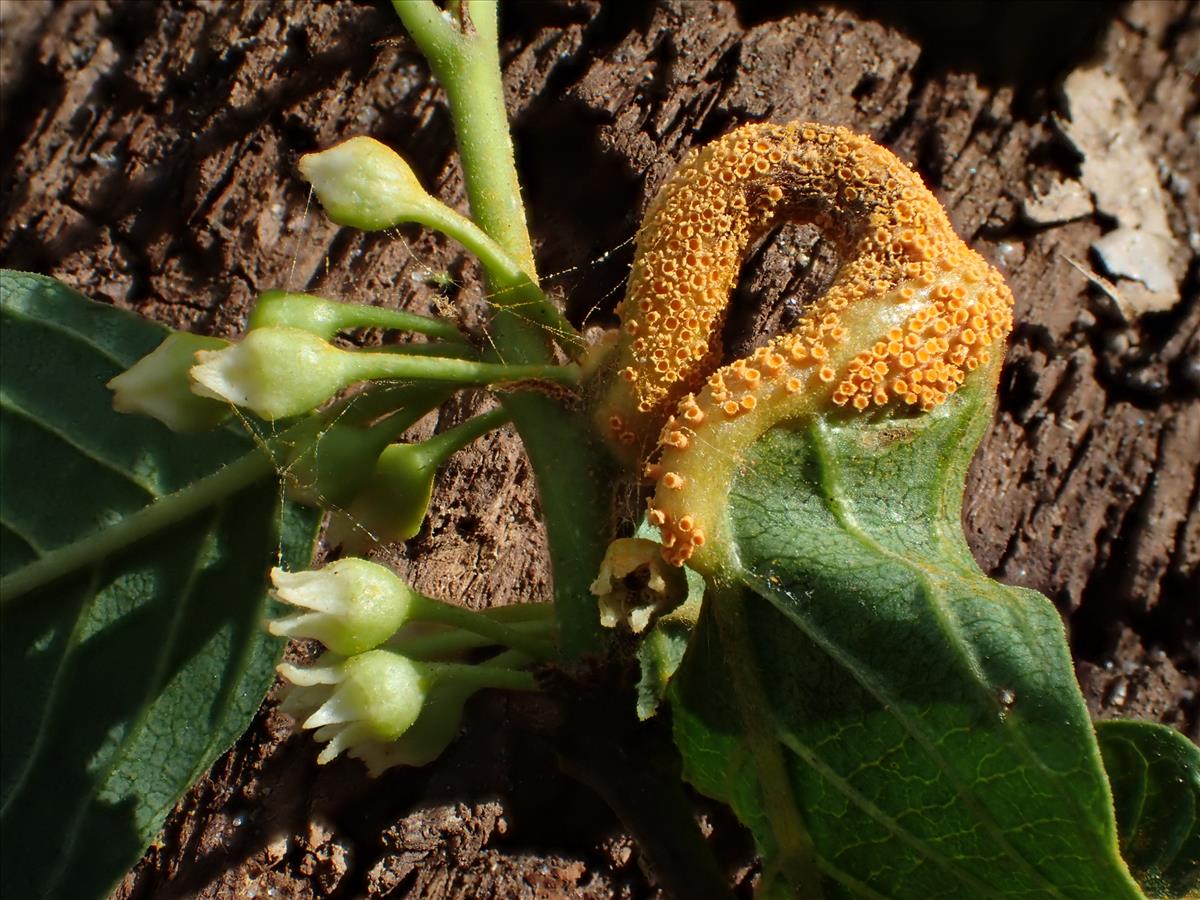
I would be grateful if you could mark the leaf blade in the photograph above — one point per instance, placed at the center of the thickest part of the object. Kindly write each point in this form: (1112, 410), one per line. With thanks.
(935, 741)
(1155, 775)
(125, 678)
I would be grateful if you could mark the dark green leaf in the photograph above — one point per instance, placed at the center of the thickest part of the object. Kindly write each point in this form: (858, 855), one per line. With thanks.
(886, 719)
(133, 653)
(1155, 776)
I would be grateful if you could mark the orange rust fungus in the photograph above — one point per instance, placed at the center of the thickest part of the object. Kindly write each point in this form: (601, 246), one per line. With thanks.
(910, 313)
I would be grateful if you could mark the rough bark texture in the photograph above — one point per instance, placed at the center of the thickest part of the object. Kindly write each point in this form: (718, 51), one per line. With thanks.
(148, 161)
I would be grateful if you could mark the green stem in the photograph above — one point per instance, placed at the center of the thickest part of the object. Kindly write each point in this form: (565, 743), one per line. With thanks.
(439, 448)
(510, 286)
(797, 856)
(369, 366)
(573, 472)
(360, 316)
(521, 612)
(509, 659)
(477, 677)
(432, 348)
(430, 609)
(454, 640)
(327, 317)
(465, 58)
(375, 400)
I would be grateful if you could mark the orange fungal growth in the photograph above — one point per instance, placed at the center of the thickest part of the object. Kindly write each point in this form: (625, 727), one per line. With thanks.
(910, 313)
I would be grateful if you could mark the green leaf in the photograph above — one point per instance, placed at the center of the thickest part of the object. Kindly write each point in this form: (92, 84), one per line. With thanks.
(133, 650)
(884, 718)
(1155, 776)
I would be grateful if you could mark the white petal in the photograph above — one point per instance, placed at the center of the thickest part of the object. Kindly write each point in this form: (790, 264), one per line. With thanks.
(216, 375)
(337, 709)
(305, 676)
(299, 625)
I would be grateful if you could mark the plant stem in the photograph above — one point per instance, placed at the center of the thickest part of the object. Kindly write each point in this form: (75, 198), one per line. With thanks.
(375, 400)
(510, 286)
(521, 612)
(429, 348)
(454, 640)
(369, 366)
(477, 677)
(362, 316)
(797, 858)
(434, 610)
(573, 472)
(327, 317)
(441, 447)
(466, 61)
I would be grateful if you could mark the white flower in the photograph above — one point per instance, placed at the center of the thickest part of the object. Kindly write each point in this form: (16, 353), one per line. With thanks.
(350, 606)
(275, 372)
(659, 587)
(371, 698)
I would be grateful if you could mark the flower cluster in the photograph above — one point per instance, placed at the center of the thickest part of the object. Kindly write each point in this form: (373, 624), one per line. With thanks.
(390, 688)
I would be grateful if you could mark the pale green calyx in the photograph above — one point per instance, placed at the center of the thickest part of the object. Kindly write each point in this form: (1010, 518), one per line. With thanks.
(350, 606)
(388, 709)
(157, 385)
(367, 185)
(392, 503)
(275, 372)
(372, 697)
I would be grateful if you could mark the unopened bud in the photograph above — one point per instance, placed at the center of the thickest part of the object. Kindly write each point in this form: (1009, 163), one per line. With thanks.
(350, 605)
(275, 372)
(364, 184)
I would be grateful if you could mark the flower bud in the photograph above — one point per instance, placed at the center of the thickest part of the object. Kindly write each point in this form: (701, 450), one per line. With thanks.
(364, 184)
(350, 606)
(332, 469)
(392, 503)
(275, 372)
(372, 697)
(157, 385)
(304, 311)
(436, 726)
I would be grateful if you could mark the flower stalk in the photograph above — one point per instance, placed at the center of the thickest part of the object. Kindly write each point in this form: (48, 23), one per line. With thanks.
(352, 606)
(393, 498)
(325, 318)
(280, 371)
(572, 486)
(388, 709)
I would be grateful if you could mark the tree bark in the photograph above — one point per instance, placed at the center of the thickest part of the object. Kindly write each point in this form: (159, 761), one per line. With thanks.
(149, 161)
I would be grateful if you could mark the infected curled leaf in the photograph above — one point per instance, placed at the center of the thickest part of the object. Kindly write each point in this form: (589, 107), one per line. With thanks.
(881, 714)
(884, 718)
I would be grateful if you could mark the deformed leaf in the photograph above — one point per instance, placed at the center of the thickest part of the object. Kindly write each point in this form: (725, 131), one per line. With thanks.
(1155, 776)
(884, 718)
(133, 647)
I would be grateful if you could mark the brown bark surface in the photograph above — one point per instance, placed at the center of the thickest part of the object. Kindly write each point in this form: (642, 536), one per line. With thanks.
(149, 161)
